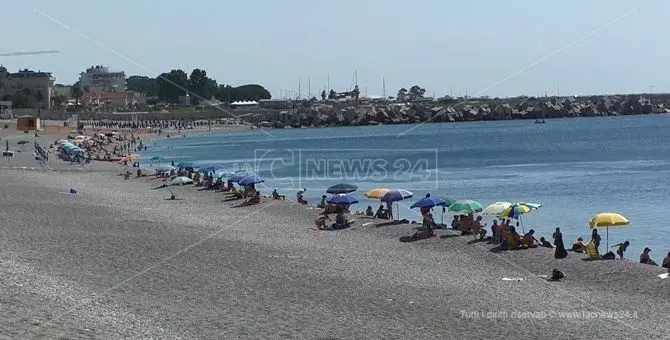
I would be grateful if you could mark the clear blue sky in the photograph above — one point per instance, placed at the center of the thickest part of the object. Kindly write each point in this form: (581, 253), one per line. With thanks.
(444, 46)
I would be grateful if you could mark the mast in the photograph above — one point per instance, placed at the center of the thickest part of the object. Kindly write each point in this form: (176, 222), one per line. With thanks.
(309, 88)
(298, 88)
(384, 87)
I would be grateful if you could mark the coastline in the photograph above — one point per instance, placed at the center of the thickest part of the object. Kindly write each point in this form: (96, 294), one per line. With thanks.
(119, 261)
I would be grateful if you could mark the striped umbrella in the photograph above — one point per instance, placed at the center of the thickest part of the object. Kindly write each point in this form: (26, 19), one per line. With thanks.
(466, 206)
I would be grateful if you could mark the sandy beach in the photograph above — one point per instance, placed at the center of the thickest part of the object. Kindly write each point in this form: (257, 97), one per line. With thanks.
(118, 260)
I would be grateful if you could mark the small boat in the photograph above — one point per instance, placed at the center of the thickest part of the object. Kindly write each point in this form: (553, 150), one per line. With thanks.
(540, 121)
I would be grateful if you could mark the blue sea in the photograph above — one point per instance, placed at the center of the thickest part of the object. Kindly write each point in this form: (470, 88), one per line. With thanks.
(573, 167)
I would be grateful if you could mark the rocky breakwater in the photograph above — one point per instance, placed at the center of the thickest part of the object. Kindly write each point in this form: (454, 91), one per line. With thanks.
(337, 114)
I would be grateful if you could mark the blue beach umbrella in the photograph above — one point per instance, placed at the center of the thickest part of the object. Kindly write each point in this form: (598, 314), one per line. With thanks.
(251, 180)
(429, 202)
(343, 199)
(341, 189)
(239, 176)
(395, 195)
(210, 168)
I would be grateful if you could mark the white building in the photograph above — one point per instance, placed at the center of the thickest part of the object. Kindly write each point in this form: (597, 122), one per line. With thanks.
(100, 79)
(35, 87)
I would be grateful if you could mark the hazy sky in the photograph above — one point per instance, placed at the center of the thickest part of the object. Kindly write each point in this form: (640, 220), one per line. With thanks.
(495, 48)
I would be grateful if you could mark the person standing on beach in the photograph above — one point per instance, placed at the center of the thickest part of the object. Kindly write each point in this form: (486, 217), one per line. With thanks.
(621, 248)
(595, 239)
(560, 252)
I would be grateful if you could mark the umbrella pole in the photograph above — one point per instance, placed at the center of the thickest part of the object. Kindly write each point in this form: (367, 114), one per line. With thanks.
(607, 237)
(522, 229)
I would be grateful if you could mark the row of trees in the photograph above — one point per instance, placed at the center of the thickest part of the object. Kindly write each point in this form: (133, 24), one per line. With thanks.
(170, 86)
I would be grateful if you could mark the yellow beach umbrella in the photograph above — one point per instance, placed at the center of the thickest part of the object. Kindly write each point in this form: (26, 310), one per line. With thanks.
(496, 208)
(607, 220)
(376, 193)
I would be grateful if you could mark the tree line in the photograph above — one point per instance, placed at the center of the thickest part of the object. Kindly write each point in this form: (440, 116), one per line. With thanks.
(169, 86)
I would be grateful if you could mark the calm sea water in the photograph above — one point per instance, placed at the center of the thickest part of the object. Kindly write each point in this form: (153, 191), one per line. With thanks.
(574, 167)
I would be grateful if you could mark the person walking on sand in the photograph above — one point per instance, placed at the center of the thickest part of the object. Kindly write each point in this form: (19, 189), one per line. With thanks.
(560, 252)
(595, 239)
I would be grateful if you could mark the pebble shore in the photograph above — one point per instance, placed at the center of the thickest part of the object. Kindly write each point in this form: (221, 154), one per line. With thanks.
(118, 261)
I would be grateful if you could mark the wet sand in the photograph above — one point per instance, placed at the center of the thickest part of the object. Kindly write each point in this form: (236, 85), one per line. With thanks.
(120, 261)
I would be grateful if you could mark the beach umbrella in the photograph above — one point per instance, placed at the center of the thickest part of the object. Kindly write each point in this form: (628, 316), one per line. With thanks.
(341, 189)
(466, 206)
(518, 209)
(239, 176)
(607, 220)
(251, 180)
(496, 208)
(157, 159)
(187, 164)
(343, 199)
(395, 195)
(210, 168)
(181, 180)
(376, 193)
(223, 173)
(428, 202)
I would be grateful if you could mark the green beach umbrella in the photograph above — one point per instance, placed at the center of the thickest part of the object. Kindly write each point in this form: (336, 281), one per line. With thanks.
(466, 206)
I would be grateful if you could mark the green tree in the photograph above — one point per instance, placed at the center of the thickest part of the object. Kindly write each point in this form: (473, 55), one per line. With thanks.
(402, 94)
(416, 92)
(323, 95)
(76, 93)
(142, 84)
(169, 86)
(332, 94)
(201, 86)
(21, 101)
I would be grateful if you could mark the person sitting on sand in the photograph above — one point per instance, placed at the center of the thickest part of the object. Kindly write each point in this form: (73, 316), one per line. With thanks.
(579, 246)
(277, 196)
(299, 196)
(369, 212)
(645, 258)
(512, 240)
(255, 199)
(495, 230)
(320, 221)
(340, 221)
(546, 244)
(323, 202)
(621, 248)
(666, 262)
(454, 222)
(477, 228)
(381, 213)
(529, 239)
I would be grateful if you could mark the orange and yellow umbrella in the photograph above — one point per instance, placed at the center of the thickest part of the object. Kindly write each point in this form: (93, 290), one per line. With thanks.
(376, 193)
